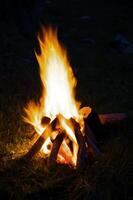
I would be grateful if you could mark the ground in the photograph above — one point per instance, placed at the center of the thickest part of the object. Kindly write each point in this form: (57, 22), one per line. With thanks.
(104, 77)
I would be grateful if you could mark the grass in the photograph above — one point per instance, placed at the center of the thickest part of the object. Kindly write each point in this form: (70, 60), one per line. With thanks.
(106, 178)
(104, 82)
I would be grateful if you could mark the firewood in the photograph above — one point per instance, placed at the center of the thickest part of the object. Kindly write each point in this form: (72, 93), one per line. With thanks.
(112, 118)
(87, 144)
(38, 144)
(96, 122)
(81, 157)
(45, 121)
(56, 145)
(91, 142)
(81, 142)
(66, 153)
(94, 128)
(103, 118)
(85, 111)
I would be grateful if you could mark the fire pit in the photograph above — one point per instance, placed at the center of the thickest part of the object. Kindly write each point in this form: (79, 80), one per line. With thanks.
(65, 130)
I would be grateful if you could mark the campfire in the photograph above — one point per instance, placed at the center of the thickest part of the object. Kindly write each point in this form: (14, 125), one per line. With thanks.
(64, 133)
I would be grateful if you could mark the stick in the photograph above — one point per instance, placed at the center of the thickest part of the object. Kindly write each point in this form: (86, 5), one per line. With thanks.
(81, 157)
(66, 153)
(81, 142)
(38, 144)
(54, 152)
(85, 152)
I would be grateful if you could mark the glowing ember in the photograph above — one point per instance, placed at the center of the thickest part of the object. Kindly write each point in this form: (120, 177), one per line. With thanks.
(57, 101)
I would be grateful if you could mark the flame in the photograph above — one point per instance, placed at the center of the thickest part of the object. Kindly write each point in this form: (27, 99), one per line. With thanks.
(58, 97)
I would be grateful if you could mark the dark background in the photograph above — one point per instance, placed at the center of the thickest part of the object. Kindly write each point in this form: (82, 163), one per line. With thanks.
(88, 29)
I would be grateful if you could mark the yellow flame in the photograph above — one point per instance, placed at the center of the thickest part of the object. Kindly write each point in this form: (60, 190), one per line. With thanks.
(58, 95)
(57, 78)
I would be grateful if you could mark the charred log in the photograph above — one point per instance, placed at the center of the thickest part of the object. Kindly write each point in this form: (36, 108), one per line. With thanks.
(92, 146)
(81, 157)
(54, 152)
(93, 127)
(45, 121)
(97, 122)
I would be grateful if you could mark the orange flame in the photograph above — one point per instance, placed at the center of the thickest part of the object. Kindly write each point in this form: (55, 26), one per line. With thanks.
(58, 97)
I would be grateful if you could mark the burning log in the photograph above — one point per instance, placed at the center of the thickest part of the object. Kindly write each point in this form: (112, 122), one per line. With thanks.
(58, 98)
(81, 157)
(54, 152)
(86, 141)
(39, 143)
(66, 152)
(82, 147)
(44, 122)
